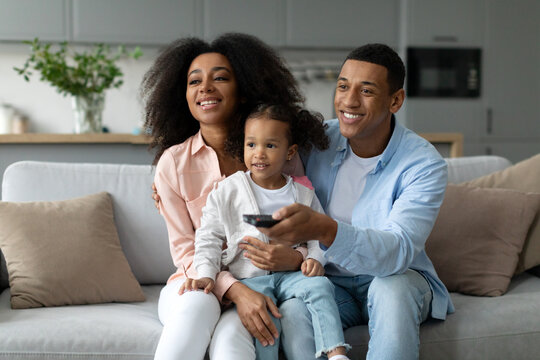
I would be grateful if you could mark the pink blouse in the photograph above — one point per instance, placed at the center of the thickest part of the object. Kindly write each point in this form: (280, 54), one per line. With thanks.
(185, 174)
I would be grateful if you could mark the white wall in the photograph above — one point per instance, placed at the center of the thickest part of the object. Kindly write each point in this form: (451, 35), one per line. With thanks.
(50, 112)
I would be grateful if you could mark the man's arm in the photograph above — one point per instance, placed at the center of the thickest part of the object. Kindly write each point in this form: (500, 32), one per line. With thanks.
(388, 248)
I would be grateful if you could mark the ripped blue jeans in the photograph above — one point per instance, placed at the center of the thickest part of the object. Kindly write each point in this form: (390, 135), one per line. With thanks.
(317, 293)
(392, 306)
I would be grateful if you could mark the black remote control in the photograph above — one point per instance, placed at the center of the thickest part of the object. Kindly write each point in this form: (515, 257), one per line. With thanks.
(260, 220)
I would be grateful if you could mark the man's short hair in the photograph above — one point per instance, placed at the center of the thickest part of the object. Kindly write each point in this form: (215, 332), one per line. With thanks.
(383, 55)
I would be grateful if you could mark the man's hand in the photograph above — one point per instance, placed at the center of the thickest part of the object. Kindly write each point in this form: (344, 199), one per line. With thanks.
(271, 257)
(300, 223)
(312, 267)
(204, 283)
(253, 308)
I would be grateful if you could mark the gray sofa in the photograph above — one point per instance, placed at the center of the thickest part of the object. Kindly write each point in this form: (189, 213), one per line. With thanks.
(505, 327)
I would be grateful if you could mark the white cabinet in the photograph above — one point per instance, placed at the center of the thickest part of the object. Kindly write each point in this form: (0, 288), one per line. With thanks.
(510, 126)
(306, 23)
(261, 18)
(341, 23)
(133, 21)
(284, 23)
(511, 70)
(26, 19)
(445, 115)
(443, 22)
(505, 120)
(514, 151)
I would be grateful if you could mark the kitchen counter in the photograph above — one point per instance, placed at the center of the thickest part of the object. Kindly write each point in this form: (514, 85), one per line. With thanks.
(37, 138)
(449, 144)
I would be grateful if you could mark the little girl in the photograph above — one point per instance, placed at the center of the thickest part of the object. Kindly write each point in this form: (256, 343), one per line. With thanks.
(272, 136)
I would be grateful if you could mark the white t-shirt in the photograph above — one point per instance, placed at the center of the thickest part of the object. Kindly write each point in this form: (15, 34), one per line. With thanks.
(349, 185)
(272, 200)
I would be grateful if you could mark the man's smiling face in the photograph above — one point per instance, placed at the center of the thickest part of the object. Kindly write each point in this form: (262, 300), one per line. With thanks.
(363, 101)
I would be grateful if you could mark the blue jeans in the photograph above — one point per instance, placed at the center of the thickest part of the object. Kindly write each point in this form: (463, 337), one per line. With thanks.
(393, 307)
(317, 297)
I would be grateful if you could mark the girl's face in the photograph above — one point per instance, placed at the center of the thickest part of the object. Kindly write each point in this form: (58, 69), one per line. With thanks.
(266, 150)
(212, 91)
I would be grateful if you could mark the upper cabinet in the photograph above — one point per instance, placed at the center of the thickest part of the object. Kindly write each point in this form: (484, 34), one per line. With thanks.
(511, 62)
(341, 23)
(26, 19)
(281, 23)
(445, 23)
(261, 18)
(133, 21)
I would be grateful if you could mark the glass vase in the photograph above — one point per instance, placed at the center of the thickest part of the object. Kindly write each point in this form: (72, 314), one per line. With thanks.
(88, 112)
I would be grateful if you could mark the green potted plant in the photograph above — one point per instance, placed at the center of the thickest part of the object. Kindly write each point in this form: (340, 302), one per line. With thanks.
(82, 75)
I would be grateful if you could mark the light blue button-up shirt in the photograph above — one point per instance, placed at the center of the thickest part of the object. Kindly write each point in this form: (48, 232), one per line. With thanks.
(394, 215)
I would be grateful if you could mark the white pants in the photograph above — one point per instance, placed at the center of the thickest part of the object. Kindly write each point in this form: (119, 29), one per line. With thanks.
(193, 321)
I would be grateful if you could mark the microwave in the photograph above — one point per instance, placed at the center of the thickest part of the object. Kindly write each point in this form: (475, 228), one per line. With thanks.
(443, 72)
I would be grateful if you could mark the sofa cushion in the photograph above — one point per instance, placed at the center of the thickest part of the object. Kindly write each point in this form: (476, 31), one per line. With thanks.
(500, 328)
(141, 228)
(112, 331)
(523, 176)
(64, 253)
(478, 236)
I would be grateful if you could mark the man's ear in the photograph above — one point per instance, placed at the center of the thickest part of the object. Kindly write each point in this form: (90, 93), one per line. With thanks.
(397, 100)
(292, 150)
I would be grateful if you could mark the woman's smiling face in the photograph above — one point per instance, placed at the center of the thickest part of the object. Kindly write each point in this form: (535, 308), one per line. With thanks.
(212, 90)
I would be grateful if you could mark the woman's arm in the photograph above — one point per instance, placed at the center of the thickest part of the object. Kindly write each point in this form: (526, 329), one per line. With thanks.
(173, 208)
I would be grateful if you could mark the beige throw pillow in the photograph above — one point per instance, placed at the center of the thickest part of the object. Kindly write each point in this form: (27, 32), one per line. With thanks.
(523, 176)
(65, 253)
(478, 236)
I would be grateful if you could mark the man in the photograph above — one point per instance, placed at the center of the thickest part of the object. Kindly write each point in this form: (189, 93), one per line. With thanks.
(381, 186)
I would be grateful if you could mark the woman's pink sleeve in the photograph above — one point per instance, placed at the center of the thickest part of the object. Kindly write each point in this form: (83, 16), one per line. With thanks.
(173, 209)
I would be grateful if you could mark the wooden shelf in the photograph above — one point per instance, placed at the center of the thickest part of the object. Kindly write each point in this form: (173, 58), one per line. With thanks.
(107, 138)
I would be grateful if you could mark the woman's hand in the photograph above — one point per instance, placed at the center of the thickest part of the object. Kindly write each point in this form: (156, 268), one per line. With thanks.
(271, 257)
(253, 308)
(312, 267)
(155, 196)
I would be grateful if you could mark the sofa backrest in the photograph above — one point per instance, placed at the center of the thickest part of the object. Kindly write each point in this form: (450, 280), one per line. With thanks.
(466, 168)
(141, 229)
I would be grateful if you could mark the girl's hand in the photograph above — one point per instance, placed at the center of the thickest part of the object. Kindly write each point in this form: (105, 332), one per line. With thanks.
(205, 284)
(253, 308)
(271, 257)
(312, 267)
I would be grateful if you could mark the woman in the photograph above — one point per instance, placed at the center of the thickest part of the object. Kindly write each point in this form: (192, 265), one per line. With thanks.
(194, 93)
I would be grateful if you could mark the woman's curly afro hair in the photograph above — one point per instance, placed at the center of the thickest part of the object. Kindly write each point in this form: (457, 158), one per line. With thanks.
(261, 77)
